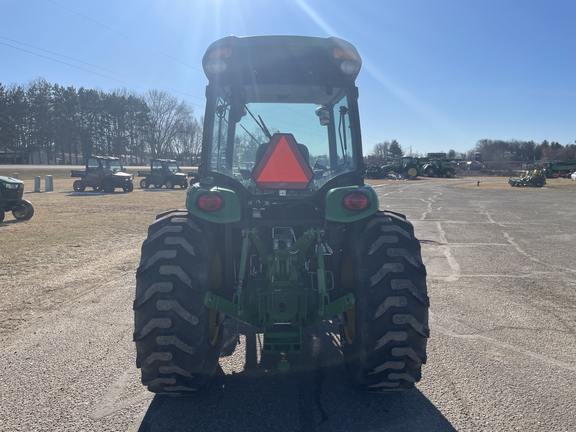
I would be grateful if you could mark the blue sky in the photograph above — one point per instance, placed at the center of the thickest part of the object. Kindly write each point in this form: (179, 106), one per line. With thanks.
(437, 74)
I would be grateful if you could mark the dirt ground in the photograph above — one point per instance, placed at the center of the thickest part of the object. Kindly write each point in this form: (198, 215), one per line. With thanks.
(75, 242)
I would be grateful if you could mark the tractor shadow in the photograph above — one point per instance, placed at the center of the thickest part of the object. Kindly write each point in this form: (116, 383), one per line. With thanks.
(7, 222)
(314, 395)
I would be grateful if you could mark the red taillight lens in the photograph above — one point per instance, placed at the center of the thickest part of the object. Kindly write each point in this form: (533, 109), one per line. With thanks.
(210, 202)
(340, 53)
(219, 53)
(355, 201)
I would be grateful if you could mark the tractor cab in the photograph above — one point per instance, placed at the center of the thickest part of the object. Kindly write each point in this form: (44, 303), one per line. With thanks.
(281, 117)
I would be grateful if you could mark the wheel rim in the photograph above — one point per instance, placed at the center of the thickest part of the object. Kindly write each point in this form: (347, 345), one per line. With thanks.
(412, 172)
(20, 212)
(215, 284)
(143, 184)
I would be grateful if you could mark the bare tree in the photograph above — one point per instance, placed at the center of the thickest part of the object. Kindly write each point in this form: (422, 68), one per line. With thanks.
(189, 141)
(380, 151)
(168, 120)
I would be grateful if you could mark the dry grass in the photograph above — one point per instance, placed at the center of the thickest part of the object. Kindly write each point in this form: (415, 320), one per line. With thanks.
(74, 243)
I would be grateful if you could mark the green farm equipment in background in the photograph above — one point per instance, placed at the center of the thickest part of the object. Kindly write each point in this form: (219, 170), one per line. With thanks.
(406, 166)
(533, 178)
(11, 192)
(558, 169)
(163, 172)
(436, 168)
(103, 174)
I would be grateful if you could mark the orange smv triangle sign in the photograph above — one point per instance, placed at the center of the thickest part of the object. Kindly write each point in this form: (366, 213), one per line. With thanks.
(282, 166)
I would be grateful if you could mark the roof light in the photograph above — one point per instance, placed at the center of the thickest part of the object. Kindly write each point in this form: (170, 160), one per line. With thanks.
(355, 201)
(216, 66)
(210, 202)
(350, 67)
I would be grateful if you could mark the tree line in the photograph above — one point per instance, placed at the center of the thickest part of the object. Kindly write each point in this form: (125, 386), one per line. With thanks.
(492, 150)
(71, 124)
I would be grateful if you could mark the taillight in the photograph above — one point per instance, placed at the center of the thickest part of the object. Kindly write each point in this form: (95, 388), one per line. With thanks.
(210, 202)
(355, 201)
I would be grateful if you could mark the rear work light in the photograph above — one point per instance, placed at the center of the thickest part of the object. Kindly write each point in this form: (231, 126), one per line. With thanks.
(350, 67)
(216, 66)
(215, 63)
(350, 64)
(355, 201)
(210, 202)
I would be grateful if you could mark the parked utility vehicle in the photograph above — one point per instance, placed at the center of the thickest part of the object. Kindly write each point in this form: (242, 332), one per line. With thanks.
(163, 172)
(103, 173)
(269, 240)
(534, 177)
(11, 192)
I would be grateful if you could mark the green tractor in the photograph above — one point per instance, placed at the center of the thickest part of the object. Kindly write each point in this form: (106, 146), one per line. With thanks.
(437, 168)
(11, 191)
(295, 239)
(406, 166)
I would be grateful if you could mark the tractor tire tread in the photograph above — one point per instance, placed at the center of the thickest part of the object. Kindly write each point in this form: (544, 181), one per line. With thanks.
(171, 331)
(391, 305)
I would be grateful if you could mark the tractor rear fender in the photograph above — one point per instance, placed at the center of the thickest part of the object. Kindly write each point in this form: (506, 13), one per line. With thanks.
(229, 211)
(337, 211)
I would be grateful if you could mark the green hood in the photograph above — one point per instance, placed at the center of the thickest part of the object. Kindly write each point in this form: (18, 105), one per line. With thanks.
(11, 180)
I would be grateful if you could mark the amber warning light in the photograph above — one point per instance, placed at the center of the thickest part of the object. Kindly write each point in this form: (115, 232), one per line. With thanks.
(282, 166)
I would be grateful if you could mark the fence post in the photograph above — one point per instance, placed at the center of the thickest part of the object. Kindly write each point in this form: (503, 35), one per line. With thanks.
(15, 175)
(37, 184)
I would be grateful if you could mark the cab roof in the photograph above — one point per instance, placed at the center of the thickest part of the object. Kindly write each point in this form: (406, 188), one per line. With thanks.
(261, 59)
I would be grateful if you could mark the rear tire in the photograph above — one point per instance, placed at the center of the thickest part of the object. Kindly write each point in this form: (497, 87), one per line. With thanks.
(411, 171)
(429, 170)
(178, 339)
(144, 184)
(23, 211)
(384, 336)
(1, 215)
(169, 184)
(128, 187)
(79, 186)
(108, 187)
